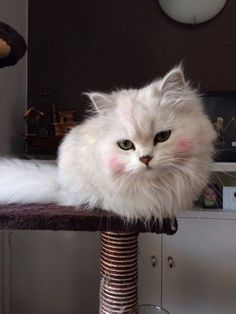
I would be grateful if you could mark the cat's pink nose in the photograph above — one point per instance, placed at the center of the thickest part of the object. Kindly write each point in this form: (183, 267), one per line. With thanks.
(145, 159)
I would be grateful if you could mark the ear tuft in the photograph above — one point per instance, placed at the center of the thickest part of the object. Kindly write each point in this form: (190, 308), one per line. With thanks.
(100, 101)
(173, 81)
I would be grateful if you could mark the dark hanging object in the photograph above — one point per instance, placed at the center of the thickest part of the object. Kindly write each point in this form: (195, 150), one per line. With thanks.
(13, 45)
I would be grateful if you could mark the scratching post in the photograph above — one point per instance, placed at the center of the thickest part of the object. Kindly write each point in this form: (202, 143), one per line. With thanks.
(119, 272)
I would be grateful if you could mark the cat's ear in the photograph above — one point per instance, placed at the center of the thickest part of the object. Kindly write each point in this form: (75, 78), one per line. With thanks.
(101, 101)
(173, 81)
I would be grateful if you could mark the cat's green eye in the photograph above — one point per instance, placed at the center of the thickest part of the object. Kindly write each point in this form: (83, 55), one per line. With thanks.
(162, 137)
(126, 144)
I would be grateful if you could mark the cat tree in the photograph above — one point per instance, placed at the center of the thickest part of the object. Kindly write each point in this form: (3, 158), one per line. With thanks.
(119, 267)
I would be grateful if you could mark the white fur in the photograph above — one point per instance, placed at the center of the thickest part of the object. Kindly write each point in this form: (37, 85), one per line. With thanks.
(23, 181)
(173, 180)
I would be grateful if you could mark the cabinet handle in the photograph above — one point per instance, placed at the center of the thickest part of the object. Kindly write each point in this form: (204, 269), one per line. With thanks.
(171, 261)
(154, 261)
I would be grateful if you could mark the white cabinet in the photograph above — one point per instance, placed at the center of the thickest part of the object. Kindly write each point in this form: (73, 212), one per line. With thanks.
(1, 273)
(54, 272)
(58, 272)
(203, 277)
(149, 261)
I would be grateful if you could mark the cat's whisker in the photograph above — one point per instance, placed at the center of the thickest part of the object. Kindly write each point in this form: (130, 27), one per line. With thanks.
(216, 169)
(216, 175)
(210, 184)
(192, 173)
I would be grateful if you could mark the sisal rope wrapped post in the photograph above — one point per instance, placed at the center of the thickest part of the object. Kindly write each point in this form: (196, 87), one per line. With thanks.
(119, 273)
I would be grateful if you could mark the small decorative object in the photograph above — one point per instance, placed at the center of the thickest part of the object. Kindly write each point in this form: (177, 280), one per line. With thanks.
(212, 196)
(37, 121)
(66, 122)
(54, 114)
(229, 197)
(12, 45)
(46, 129)
(221, 108)
(41, 144)
(66, 116)
(219, 126)
(33, 115)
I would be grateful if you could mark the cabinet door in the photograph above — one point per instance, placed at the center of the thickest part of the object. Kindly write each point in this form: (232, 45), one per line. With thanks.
(54, 272)
(203, 277)
(1, 273)
(149, 275)
(4, 272)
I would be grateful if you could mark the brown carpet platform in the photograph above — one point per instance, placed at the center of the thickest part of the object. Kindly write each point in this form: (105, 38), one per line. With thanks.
(54, 217)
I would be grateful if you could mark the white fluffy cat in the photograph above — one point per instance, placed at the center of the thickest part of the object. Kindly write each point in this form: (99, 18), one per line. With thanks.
(146, 152)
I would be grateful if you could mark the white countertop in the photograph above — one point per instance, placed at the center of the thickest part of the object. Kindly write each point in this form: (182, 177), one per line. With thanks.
(208, 214)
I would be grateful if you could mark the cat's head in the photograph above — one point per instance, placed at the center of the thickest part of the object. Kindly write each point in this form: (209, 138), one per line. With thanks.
(147, 131)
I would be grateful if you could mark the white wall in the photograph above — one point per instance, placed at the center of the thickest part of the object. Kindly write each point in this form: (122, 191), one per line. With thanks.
(13, 95)
(13, 82)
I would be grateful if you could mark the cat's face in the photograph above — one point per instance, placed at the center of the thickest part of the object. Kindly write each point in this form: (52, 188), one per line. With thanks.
(150, 131)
